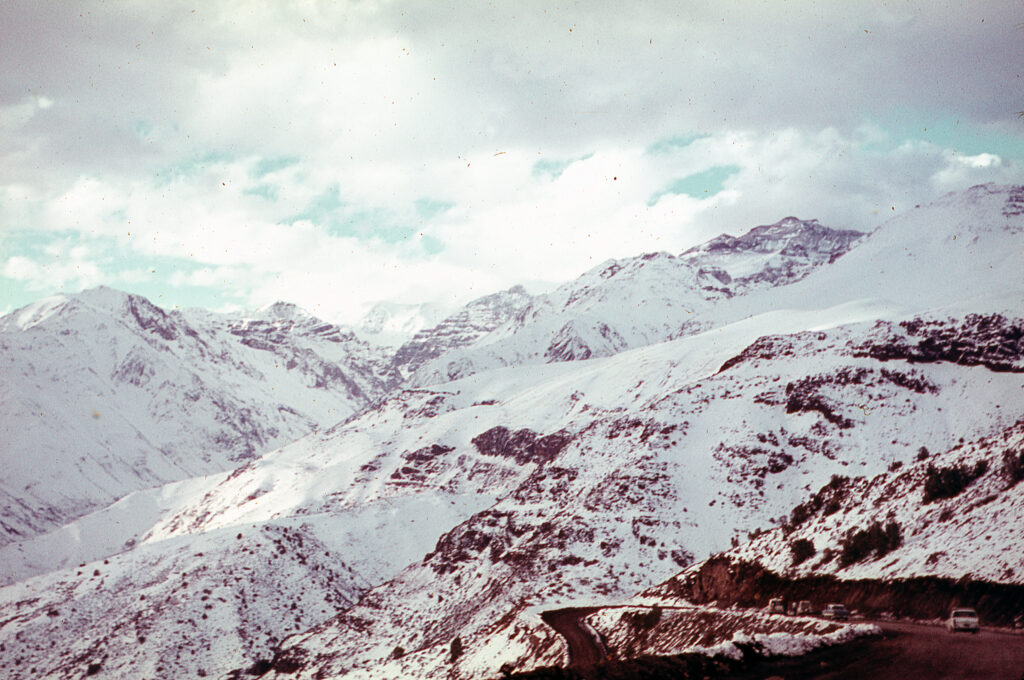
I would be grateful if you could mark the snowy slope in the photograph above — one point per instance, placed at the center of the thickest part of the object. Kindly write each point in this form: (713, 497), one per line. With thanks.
(105, 394)
(175, 610)
(638, 301)
(469, 324)
(959, 254)
(393, 323)
(629, 499)
(975, 532)
(465, 507)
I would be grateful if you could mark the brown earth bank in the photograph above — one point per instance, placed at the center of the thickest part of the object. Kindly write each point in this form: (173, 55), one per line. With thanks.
(902, 652)
(744, 584)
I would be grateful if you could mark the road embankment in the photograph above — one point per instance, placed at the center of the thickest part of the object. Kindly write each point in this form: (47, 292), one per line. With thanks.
(729, 582)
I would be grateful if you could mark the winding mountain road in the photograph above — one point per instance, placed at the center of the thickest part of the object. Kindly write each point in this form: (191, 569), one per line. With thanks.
(906, 651)
(585, 648)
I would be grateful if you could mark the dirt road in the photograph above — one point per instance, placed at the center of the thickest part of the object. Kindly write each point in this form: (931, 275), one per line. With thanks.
(906, 651)
(584, 648)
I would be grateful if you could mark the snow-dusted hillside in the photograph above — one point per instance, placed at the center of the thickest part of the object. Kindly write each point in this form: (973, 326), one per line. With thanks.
(631, 497)
(956, 514)
(639, 301)
(105, 394)
(472, 322)
(175, 609)
(461, 509)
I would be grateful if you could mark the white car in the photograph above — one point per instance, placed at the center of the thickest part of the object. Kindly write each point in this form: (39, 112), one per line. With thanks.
(962, 618)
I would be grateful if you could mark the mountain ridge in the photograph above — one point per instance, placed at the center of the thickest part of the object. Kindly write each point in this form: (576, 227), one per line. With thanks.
(457, 509)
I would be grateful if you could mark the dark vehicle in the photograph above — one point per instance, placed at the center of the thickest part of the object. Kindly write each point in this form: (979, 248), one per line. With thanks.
(836, 612)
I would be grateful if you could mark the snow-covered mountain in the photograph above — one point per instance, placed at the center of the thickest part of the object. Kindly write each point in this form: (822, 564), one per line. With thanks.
(106, 394)
(462, 509)
(393, 323)
(472, 322)
(638, 301)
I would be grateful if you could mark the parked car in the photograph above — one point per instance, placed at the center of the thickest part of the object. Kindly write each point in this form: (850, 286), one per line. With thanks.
(803, 608)
(962, 618)
(776, 605)
(836, 612)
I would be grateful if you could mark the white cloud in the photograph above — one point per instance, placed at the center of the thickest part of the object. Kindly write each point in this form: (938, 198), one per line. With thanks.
(279, 150)
(962, 170)
(54, 273)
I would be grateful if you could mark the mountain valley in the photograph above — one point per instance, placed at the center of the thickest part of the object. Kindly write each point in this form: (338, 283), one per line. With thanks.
(189, 493)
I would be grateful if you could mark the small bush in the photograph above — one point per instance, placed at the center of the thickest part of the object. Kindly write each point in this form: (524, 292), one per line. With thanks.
(644, 620)
(652, 618)
(876, 541)
(828, 500)
(949, 482)
(456, 650)
(1013, 467)
(261, 667)
(802, 550)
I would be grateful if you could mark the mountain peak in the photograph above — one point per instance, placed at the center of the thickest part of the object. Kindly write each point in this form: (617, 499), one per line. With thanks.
(102, 297)
(809, 235)
(284, 311)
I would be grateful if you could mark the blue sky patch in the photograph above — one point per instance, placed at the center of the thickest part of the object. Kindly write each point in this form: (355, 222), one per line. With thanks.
(947, 132)
(698, 185)
(670, 144)
(553, 168)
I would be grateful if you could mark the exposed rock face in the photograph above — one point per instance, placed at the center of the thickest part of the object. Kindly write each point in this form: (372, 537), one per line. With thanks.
(472, 322)
(993, 341)
(735, 582)
(788, 250)
(523, 446)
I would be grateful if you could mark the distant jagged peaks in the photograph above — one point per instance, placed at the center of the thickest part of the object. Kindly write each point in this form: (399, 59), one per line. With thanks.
(788, 236)
(182, 392)
(282, 310)
(472, 322)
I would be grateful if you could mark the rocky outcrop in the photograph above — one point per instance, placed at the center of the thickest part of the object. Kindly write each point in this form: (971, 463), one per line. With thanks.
(472, 322)
(993, 341)
(523, 446)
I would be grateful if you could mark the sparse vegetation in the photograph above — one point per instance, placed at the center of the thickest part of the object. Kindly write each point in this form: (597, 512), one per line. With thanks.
(828, 500)
(949, 482)
(802, 549)
(876, 541)
(456, 649)
(1013, 467)
(643, 620)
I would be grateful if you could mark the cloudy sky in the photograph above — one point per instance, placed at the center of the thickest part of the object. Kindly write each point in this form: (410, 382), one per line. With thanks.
(333, 154)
